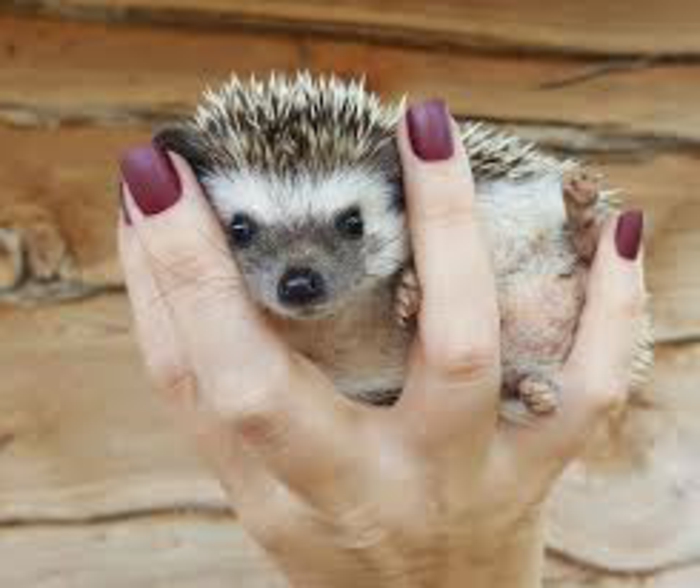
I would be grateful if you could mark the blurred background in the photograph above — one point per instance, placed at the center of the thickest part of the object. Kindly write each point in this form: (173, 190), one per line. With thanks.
(96, 487)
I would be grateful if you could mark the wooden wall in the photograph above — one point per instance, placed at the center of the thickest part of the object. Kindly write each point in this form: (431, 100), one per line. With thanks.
(96, 488)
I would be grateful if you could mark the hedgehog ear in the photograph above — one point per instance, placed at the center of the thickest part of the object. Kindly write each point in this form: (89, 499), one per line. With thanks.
(186, 142)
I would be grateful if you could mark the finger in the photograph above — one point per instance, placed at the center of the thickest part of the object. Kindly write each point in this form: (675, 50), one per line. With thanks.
(454, 372)
(243, 372)
(163, 355)
(611, 332)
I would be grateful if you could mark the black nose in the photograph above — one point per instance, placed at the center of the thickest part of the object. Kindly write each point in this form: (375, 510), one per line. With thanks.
(300, 286)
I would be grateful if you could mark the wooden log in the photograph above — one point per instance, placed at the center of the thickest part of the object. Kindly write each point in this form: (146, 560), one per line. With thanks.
(59, 200)
(595, 27)
(665, 187)
(61, 197)
(172, 550)
(82, 434)
(182, 549)
(12, 260)
(79, 72)
(632, 503)
(83, 438)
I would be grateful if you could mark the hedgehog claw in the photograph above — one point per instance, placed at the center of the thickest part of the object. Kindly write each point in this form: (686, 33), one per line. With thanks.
(408, 297)
(581, 191)
(538, 394)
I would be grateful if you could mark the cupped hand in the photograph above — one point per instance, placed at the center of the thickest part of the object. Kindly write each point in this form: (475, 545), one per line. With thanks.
(435, 491)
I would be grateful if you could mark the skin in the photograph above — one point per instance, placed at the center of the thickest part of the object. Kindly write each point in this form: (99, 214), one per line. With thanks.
(435, 491)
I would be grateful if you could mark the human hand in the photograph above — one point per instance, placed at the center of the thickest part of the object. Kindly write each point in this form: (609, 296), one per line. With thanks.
(435, 491)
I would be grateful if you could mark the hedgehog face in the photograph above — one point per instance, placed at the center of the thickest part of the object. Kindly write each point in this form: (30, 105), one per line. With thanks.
(305, 175)
(306, 245)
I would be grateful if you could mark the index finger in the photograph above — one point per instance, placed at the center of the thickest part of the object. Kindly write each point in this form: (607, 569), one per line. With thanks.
(244, 373)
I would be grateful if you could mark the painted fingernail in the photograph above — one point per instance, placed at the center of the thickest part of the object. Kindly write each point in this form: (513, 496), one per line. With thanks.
(122, 204)
(430, 131)
(152, 179)
(628, 235)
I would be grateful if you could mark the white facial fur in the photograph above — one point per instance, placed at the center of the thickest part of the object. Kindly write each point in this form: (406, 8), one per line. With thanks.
(293, 201)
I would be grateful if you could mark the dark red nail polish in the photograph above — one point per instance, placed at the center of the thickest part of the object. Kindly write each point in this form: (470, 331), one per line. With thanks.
(430, 131)
(152, 179)
(122, 205)
(628, 235)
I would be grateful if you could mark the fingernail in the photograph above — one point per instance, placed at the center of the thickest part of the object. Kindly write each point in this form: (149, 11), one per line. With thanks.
(430, 131)
(152, 179)
(122, 204)
(628, 235)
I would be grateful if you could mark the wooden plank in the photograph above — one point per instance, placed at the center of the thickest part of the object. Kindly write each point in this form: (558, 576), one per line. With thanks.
(595, 26)
(73, 72)
(60, 199)
(174, 551)
(632, 503)
(561, 573)
(83, 436)
(183, 550)
(59, 195)
(84, 440)
(665, 187)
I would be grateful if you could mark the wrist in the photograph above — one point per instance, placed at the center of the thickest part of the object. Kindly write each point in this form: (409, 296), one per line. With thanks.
(513, 559)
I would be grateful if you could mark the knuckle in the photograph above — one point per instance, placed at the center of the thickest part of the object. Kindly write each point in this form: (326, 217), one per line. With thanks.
(628, 306)
(276, 526)
(605, 396)
(252, 404)
(602, 392)
(183, 265)
(447, 200)
(463, 357)
(447, 212)
(255, 418)
(176, 381)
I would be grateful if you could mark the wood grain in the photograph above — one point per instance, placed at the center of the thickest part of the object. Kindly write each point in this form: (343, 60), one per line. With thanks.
(666, 188)
(60, 197)
(84, 435)
(182, 550)
(86, 441)
(178, 551)
(595, 26)
(639, 476)
(97, 488)
(80, 73)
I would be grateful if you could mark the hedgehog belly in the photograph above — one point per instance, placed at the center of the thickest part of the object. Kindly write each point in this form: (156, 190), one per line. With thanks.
(539, 316)
(539, 279)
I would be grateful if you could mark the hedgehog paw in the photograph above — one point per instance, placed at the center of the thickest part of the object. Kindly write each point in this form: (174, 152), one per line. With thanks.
(581, 192)
(538, 394)
(513, 411)
(408, 297)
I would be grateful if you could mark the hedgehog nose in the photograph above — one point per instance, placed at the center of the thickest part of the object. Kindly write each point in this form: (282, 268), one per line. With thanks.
(300, 286)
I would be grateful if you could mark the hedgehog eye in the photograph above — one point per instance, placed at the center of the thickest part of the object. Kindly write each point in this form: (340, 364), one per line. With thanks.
(350, 224)
(242, 230)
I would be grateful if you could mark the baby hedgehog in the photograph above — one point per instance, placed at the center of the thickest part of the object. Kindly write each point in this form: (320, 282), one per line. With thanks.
(304, 174)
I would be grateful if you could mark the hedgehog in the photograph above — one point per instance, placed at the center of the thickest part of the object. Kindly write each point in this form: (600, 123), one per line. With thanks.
(304, 174)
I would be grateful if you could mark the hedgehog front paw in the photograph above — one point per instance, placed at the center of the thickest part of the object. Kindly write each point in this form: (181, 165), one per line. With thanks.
(408, 297)
(581, 191)
(539, 394)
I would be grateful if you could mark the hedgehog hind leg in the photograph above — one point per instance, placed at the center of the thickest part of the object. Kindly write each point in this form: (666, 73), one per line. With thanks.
(533, 395)
(581, 193)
